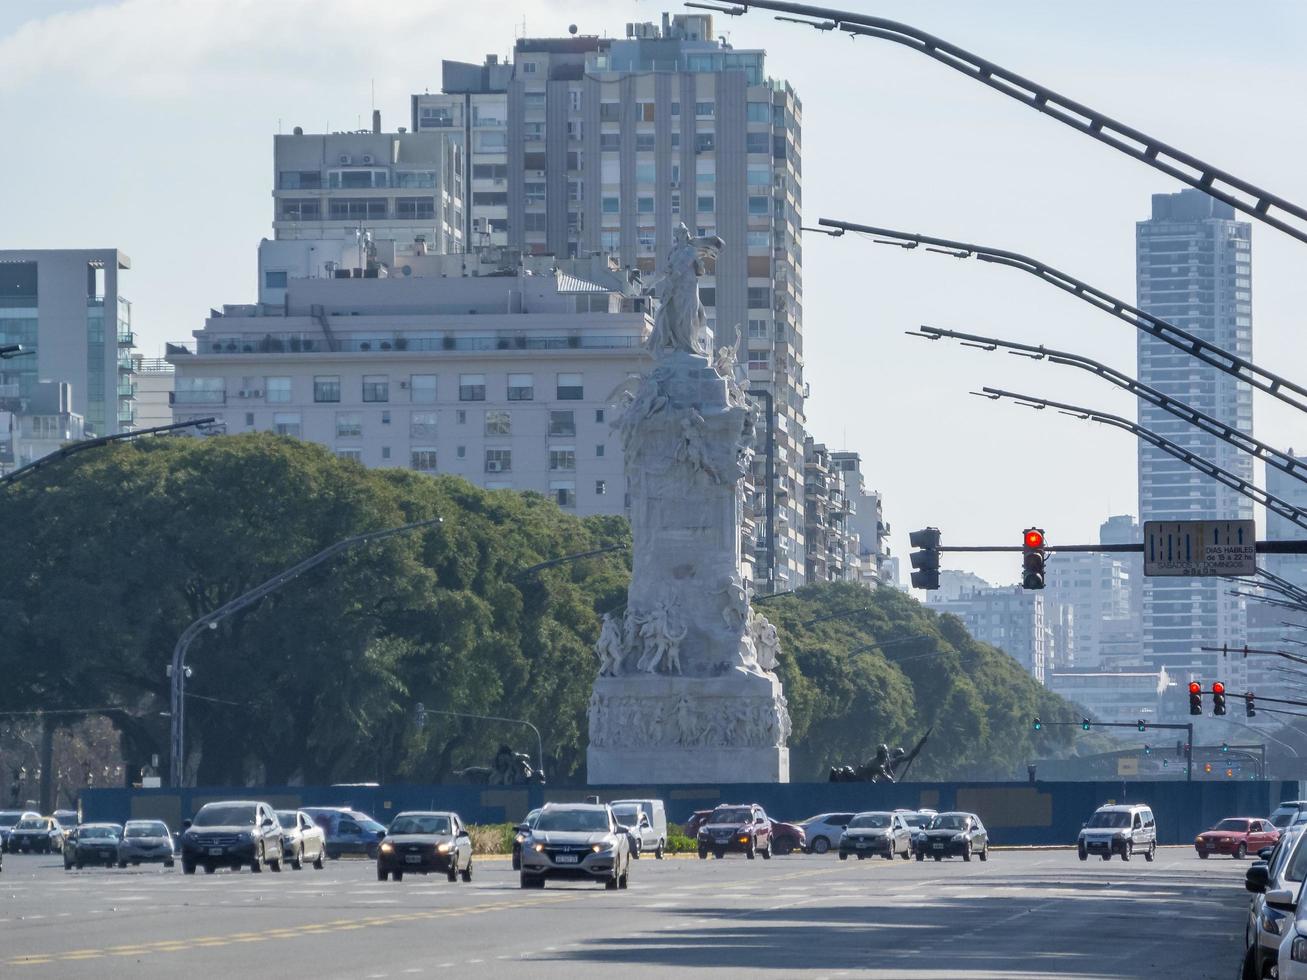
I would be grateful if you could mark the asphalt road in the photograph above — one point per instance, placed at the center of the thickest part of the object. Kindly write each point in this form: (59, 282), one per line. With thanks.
(1022, 914)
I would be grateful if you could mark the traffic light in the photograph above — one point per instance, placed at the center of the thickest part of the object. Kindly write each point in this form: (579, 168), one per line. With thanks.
(1195, 697)
(1141, 726)
(1037, 724)
(1225, 747)
(1250, 704)
(925, 562)
(1084, 723)
(1218, 698)
(1229, 774)
(1207, 767)
(1148, 750)
(1032, 558)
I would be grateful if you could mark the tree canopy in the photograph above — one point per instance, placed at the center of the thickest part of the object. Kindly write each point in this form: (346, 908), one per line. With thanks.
(108, 557)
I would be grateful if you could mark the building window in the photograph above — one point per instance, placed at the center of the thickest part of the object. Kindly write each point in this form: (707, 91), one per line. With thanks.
(610, 141)
(562, 458)
(326, 388)
(354, 208)
(562, 424)
(644, 205)
(249, 420)
(528, 68)
(422, 425)
(356, 455)
(521, 387)
(759, 205)
(644, 173)
(498, 424)
(376, 388)
(385, 418)
(570, 388)
(610, 111)
(461, 452)
(423, 460)
(601, 487)
(349, 425)
(599, 449)
(415, 207)
(759, 330)
(422, 389)
(564, 493)
(499, 460)
(275, 279)
(460, 416)
(759, 297)
(757, 112)
(385, 452)
(471, 387)
(200, 391)
(703, 110)
(277, 389)
(286, 424)
(611, 205)
(599, 414)
(534, 191)
(759, 360)
(645, 142)
(295, 180)
(300, 209)
(705, 203)
(704, 142)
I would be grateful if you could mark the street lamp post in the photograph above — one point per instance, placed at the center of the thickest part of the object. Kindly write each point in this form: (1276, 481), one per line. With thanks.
(211, 621)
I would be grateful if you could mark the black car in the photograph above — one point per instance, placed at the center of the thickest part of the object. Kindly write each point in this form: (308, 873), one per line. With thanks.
(8, 819)
(520, 834)
(421, 842)
(92, 843)
(41, 835)
(952, 835)
(743, 829)
(232, 835)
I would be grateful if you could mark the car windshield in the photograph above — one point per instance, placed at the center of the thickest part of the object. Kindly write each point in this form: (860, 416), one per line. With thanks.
(10, 818)
(155, 829)
(366, 822)
(731, 815)
(417, 823)
(1279, 819)
(948, 821)
(877, 821)
(1241, 826)
(628, 815)
(1296, 867)
(98, 833)
(287, 819)
(1109, 818)
(31, 823)
(917, 819)
(225, 815)
(588, 821)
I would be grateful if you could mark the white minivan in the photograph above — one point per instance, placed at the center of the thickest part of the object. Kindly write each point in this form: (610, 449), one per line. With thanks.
(1122, 828)
(649, 825)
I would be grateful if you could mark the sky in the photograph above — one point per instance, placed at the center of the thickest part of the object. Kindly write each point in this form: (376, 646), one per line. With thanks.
(146, 125)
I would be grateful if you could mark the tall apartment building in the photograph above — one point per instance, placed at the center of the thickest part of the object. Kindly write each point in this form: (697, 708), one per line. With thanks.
(866, 517)
(586, 144)
(1010, 618)
(153, 381)
(335, 195)
(1194, 269)
(500, 372)
(1096, 587)
(65, 305)
(831, 542)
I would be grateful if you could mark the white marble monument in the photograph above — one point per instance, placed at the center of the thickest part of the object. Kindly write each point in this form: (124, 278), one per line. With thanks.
(686, 690)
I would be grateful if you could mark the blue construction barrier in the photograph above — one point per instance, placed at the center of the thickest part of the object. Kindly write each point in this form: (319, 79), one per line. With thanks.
(1014, 813)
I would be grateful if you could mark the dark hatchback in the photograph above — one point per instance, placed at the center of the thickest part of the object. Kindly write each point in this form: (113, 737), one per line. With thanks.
(40, 835)
(232, 835)
(92, 843)
(425, 843)
(952, 835)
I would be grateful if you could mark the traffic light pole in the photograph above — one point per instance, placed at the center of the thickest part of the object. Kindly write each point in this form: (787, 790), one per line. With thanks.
(1188, 728)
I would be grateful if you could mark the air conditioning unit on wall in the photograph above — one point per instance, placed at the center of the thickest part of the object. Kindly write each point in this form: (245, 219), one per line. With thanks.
(493, 466)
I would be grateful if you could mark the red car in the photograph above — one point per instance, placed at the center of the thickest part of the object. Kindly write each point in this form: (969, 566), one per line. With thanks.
(1236, 836)
(786, 837)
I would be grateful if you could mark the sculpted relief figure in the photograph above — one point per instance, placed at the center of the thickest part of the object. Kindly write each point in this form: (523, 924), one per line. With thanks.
(681, 323)
(609, 647)
(662, 634)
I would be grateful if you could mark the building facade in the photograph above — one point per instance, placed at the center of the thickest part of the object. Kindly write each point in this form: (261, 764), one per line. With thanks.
(1096, 588)
(1010, 618)
(1194, 269)
(504, 377)
(866, 518)
(1116, 695)
(64, 304)
(586, 144)
(832, 548)
(153, 380)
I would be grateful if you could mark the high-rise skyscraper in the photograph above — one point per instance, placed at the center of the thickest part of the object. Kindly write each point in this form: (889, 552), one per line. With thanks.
(1194, 270)
(588, 144)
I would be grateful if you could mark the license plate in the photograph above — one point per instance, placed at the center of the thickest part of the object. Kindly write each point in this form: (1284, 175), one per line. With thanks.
(937, 847)
(215, 852)
(567, 859)
(412, 858)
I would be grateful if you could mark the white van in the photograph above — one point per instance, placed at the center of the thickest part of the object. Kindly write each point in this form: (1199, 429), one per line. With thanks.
(1123, 828)
(652, 830)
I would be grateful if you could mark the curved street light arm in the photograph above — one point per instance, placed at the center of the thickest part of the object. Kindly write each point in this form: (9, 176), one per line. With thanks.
(1217, 357)
(1225, 477)
(1220, 184)
(1200, 420)
(79, 447)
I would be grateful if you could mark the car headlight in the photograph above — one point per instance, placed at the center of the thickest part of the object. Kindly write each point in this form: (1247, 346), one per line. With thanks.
(1298, 949)
(605, 846)
(1273, 922)
(703, 833)
(957, 838)
(519, 838)
(538, 848)
(387, 848)
(443, 848)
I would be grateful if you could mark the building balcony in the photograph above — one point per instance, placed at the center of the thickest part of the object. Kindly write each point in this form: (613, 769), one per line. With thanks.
(125, 364)
(126, 412)
(126, 389)
(299, 343)
(126, 338)
(197, 398)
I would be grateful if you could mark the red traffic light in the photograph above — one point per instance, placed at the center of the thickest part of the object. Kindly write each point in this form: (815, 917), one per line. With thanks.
(1196, 688)
(1217, 687)
(1034, 538)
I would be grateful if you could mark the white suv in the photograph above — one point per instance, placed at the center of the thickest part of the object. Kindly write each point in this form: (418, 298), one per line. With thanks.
(1119, 829)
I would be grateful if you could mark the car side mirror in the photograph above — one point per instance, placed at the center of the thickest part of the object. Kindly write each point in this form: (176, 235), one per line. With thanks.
(1265, 853)
(462, 833)
(522, 828)
(1257, 878)
(1281, 898)
(267, 821)
(186, 825)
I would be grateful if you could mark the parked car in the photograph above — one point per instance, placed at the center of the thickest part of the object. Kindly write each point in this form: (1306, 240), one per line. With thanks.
(347, 831)
(654, 836)
(68, 820)
(736, 828)
(823, 831)
(696, 821)
(145, 842)
(644, 838)
(575, 841)
(876, 832)
(1236, 836)
(786, 838)
(952, 834)
(302, 840)
(523, 830)
(1287, 813)
(232, 835)
(423, 842)
(1120, 828)
(1265, 927)
(40, 835)
(92, 843)
(8, 820)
